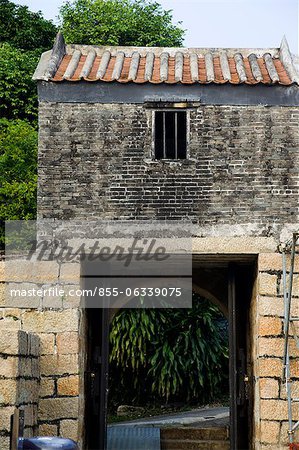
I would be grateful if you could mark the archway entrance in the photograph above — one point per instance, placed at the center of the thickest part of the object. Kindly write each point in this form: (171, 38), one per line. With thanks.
(227, 282)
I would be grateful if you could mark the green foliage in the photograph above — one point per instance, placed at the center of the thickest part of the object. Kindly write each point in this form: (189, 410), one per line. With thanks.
(119, 22)
(18, 171)
(17, 90)
(25, 29)
(162, 355)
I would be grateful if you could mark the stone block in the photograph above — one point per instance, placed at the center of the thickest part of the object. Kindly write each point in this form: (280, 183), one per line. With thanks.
(271, 306)
(25, 366)
(270, 432)
(69, 273)
(23, 343)
(72, 299)
(8, 392)
(51, 321)
(295, 388)
(2, 271)
(4, 442)
(33, 345)
(2, 295)
(47, 387)
(22, 295)
(68, 385)
(276, 410)
(270, 367)
(28, 391)
(295, 288)
(237, 244)
(51, 409)
(9, 367)
(269, 388)
(47, 429)
(9, 323)
(67, 343)
(59, 364)
(269, 262)
(268, 284)
(9, 342)
(40, 272)
(14, 313)
(274, 346)
(6, 412)
(69, 429)
(270, 326)
(51, 301)
(271, 447)
(47, 341)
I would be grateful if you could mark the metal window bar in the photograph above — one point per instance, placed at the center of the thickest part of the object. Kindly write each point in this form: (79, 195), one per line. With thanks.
(289, 322)
(176, 135)
(164, 134)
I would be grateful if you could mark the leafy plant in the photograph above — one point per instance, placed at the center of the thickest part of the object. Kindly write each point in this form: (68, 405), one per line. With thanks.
(25, 29)
(119, 22)
(163, 355)
(17, 90)
(18, 172)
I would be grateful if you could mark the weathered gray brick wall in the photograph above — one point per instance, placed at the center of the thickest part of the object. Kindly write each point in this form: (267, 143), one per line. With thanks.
(96, 160)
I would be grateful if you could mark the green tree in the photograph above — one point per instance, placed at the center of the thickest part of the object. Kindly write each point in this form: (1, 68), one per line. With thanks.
(25, 29)
(17, 90)
(177, 354)
(119, 22)
(18, 172)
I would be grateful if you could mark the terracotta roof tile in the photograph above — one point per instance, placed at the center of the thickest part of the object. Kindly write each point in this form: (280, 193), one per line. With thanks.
(180, 65)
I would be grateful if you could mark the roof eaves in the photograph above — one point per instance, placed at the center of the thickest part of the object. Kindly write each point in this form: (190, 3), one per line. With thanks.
(42, 67)
(51, 60)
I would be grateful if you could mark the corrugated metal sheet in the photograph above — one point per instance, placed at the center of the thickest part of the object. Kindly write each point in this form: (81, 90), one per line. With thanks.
(133, 438)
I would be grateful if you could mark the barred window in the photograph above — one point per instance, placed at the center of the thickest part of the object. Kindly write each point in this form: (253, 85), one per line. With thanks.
(170, 134)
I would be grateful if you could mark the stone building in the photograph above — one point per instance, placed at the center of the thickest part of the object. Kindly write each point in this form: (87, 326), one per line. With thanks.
(209, 135)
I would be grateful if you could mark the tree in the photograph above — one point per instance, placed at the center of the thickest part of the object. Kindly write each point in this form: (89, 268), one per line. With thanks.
(17, 90)
(119, 22)
(25, 29)
(177, 354)
(18, 172)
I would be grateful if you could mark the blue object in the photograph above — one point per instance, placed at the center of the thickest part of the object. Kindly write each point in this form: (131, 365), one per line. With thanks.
(133, 438)
(46, 443)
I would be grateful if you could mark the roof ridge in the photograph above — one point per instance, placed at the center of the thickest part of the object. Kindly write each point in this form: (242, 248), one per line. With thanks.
(287, 60)
(74, 62)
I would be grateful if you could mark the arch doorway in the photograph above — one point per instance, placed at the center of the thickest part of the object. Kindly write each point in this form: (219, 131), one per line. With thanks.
(227, 282)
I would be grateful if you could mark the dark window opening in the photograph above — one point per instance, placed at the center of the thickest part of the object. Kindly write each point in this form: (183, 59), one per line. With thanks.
(170, 134)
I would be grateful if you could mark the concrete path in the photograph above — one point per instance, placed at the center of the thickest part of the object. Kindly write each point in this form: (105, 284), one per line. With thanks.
(199, 418)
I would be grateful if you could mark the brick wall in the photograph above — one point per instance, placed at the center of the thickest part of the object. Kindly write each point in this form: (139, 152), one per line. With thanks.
(270, 342)
(19, 381)
(241, 178)
(96, 160)
(56, 327)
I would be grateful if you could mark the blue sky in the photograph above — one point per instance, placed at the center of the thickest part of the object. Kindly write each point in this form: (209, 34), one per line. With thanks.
(221, 23)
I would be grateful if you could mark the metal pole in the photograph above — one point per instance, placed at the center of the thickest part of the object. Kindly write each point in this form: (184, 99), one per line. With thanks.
(287, 295)
(286, 367)
(176, 135)
(289, 299)
(164, 135)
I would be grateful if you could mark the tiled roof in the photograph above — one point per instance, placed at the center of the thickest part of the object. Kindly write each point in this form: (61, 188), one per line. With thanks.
(167, 65)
